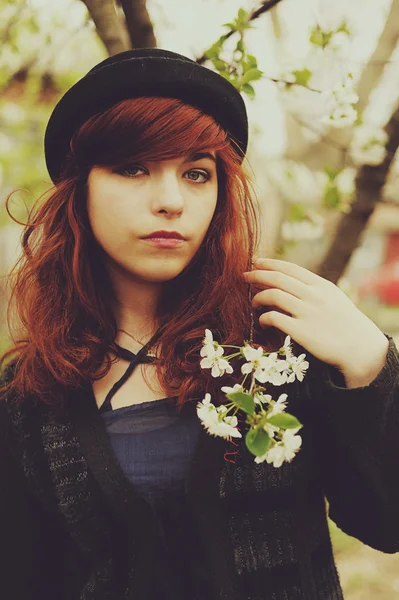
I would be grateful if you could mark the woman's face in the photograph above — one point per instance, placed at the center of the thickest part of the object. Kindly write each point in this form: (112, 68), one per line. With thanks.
(125, 205)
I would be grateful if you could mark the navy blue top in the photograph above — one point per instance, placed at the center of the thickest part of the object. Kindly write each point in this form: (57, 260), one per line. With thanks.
(154, 444)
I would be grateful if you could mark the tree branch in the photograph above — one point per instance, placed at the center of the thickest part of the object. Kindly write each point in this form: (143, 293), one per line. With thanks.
(265, 7)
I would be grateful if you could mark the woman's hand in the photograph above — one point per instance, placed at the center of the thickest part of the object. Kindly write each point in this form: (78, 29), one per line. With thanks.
(321, 318)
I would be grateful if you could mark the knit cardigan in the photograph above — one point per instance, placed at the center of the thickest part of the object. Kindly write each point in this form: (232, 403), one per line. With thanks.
(73, 526)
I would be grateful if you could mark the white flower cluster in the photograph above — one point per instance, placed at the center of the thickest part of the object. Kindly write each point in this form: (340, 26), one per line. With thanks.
(295, 181)
(336, 40)
(368, 145)
(277, 428)
(339, 102)
(310, 228)
(317, 95)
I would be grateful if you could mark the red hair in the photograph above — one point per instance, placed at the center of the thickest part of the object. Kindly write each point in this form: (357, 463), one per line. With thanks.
(61, 292)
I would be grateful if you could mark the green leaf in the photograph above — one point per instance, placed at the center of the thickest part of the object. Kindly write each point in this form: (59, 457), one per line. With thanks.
(303, 76)
(244, 401)
(251, 75)
(249, 90)
(344, 28)
(316, 37)
(240, 46)
(234, 81)
(242, 14)
(32, 25)
(229, 25)
(257, 441)
(252, 61)
(332, 197)
(214, 50)
(331, 172)
(297, 212)
(284, 420)
(219, 64)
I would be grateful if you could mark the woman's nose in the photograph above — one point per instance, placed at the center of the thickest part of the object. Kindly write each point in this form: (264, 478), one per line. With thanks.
(170, 192)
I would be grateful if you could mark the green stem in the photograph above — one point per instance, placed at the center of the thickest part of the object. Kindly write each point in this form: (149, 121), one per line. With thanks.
(228, 346)
(228, 356)
(243, 381)
(252, 383)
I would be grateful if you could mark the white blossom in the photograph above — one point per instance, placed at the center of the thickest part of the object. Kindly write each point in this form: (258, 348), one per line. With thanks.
(229, 390)
(284, 450)
(275, 454)
(295, 181)
(339, 42)
(284, 79)
(212, 353)
(213, 420)
(265, 368)
(12, 113)
(339, 101)
(345, 181)
(279, 406)
(270, 429)
(298, 365)
(344, 92)
(288, 347)
(343, 115)
(368, 145)
(374, 155)
(260, 398)
(302, 230)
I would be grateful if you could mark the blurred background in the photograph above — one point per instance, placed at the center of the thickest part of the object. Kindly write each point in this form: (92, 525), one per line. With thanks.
(320, 79)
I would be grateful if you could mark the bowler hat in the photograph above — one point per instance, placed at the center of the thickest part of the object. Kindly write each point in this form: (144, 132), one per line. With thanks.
(143, 72)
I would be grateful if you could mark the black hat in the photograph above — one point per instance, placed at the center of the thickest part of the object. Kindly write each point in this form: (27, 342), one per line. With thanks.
(143, 72)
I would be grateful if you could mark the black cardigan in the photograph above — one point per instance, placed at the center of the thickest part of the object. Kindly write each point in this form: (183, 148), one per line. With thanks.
(73, 526)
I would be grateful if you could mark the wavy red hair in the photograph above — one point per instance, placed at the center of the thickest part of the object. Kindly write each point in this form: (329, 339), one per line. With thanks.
(65, 326)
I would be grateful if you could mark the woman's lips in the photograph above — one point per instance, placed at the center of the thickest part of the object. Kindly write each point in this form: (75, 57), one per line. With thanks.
(165, 242)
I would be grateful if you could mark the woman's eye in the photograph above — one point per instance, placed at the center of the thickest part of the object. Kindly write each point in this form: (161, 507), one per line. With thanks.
(206, 175)
(130, 168)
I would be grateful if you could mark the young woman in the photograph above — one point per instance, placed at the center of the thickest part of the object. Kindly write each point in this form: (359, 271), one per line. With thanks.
(111, 486)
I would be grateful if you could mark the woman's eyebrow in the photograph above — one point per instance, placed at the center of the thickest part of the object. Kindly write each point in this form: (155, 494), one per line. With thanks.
(199, 155)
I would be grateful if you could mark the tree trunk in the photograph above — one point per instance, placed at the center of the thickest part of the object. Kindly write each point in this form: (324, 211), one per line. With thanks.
(110, 27)
(369, 183)
(139, 24)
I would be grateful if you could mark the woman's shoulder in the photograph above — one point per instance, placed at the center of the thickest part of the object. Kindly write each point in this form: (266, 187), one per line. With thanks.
(19, 415)
(7, 396)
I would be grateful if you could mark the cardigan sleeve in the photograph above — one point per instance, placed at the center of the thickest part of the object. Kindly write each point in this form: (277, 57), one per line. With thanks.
(356, 436)
(28, 554)
(31, 542)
